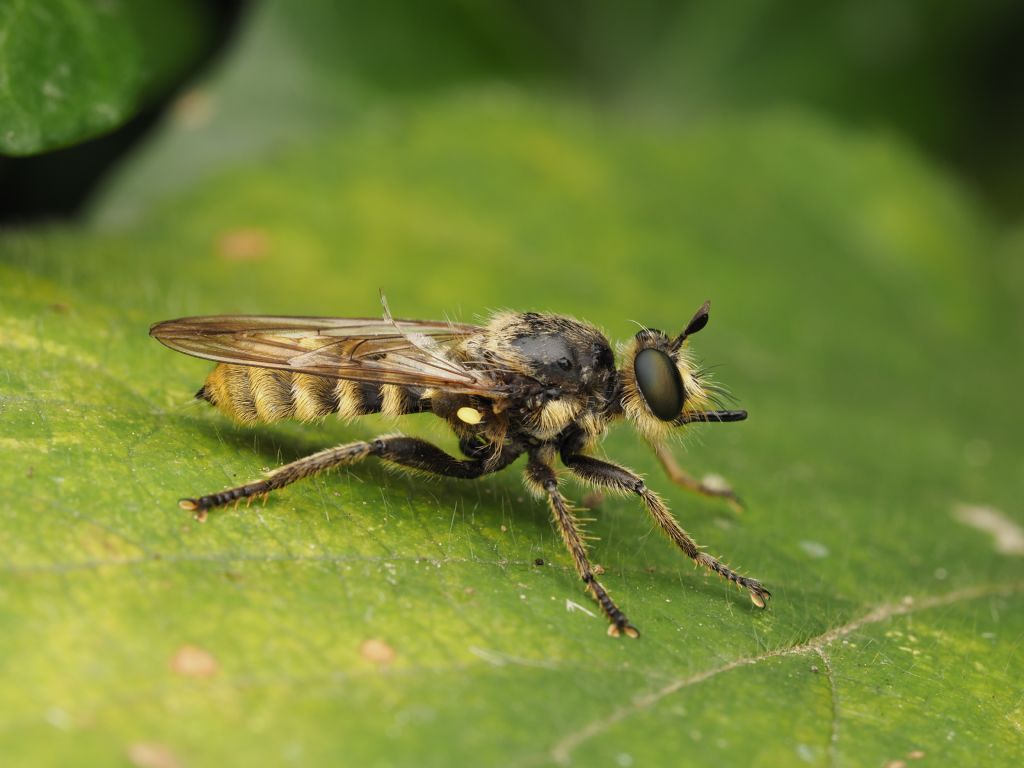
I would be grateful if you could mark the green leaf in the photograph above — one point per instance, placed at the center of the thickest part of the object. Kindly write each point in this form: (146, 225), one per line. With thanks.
(855, 313)
(297, 70)
(72, 69)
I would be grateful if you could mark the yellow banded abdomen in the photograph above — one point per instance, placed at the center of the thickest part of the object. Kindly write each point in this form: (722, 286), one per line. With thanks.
(252, 395)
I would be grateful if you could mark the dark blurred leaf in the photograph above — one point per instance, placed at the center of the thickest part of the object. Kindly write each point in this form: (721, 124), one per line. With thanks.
(73, 69)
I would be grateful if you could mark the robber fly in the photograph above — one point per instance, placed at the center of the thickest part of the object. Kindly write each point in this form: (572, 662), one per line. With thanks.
(529, 383)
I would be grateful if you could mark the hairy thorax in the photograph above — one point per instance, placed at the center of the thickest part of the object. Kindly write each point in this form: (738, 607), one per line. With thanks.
(561, 372)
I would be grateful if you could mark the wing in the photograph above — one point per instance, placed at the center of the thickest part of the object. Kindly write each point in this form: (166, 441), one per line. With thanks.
(386, 351)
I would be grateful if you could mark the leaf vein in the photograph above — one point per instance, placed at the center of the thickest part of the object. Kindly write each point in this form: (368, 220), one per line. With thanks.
(562, 750)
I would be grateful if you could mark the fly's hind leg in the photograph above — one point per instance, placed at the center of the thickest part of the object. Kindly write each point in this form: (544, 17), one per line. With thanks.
(607, 475)
(282, 476)
(684, 479)
(543, 479)
(405, 451)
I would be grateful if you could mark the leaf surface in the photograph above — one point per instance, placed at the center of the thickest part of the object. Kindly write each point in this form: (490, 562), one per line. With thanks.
(369, 618)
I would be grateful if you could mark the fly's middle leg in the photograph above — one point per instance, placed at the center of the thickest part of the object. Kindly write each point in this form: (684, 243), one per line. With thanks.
(543, 478)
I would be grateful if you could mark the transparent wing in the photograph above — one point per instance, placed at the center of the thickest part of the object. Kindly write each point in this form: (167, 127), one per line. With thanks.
(386, 351)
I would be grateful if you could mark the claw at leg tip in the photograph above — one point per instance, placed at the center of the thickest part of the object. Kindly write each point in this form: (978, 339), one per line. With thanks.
(192, 505)
(760, 600)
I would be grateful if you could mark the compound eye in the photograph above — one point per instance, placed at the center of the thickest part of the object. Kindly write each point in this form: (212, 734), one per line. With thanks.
(660, 383)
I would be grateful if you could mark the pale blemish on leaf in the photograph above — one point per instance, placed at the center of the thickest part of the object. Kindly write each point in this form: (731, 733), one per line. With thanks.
(377, 651)
(1009, 537)
(244, 245)
(193, 661)
(814, 549)
(152, 755)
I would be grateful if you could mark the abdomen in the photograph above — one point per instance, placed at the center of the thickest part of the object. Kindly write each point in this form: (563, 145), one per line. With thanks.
(251, 395)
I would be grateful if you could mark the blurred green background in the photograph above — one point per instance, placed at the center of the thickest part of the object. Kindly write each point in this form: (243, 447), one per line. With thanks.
(842, 180)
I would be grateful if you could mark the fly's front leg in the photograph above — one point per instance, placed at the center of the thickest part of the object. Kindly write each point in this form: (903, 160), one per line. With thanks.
(543, 479)
(405, 451)
(684, 479)
(608, 475)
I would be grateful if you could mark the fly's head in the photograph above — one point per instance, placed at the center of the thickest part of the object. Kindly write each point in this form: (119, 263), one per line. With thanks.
(663, 387)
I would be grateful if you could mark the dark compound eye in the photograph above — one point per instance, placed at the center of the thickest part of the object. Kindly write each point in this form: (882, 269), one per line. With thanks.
(660, 383)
